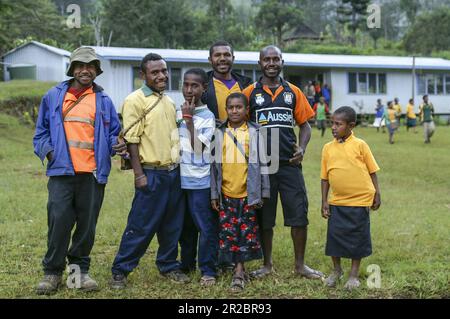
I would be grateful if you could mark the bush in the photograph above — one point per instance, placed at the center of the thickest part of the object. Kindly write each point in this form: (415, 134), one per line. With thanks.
(23, 107)
(22, 98)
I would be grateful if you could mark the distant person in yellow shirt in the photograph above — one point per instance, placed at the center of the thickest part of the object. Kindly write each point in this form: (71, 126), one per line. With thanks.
(390, 117)
(411, 118)
(398, 110)
(346, 201)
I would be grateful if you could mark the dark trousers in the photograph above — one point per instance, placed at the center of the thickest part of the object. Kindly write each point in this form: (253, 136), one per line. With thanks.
(199, 218)
(72, 200)
(156, 209)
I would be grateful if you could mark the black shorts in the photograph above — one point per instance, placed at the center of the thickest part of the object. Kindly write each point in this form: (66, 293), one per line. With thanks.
(289, 183)
(348, 234)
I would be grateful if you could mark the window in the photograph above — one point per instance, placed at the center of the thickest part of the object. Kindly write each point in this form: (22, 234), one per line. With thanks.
(382, 87)
(367, 83)
(421, 84)
(362, 83)
(447, 85)
(352, 83)
(174, 79)
(372, 83)
(430, 85)
(440, 84)
(433, 84)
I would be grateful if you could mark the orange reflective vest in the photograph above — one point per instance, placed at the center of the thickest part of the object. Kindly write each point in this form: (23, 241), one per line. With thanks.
(79, 125)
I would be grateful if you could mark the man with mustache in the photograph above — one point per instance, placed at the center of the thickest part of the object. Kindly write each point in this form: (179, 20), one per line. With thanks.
(278, 106)
(222, 81)
(77, 132)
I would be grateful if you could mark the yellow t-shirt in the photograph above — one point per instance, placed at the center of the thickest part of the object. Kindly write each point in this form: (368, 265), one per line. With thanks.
(234, 164)
(157, 135)
(392, 115)
(347, 167)
(410, 111)
(398, 108)
(222, 93)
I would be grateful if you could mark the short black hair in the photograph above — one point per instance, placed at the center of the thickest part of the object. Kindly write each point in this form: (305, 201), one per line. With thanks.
(411, 100)
(200, 72)
(150, 57)
(237, 95)
(426, 95)
(348, 113)
(220, 43)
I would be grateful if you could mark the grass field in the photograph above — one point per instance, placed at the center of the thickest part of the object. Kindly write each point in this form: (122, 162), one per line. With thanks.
(410, 232)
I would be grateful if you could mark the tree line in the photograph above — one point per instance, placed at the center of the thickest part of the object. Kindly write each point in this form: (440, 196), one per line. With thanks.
(420, 27)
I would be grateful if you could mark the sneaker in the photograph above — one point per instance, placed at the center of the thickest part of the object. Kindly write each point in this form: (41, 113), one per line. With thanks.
(118, 281)
(87, 283)
(49, 284)
(177, 276)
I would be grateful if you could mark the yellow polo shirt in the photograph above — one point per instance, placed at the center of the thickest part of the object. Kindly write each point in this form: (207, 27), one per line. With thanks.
(410, 111)
(398, 108)
(347, 167)
(157, 134)
(222, 93)
(234, 165)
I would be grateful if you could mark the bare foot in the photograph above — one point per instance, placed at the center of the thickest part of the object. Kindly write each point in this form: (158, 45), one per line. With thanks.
(309, 273)
(352, 283)
(333, 279)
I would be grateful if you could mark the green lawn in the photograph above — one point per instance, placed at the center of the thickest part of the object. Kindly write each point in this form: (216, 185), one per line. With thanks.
(23, 88)
(410, 232)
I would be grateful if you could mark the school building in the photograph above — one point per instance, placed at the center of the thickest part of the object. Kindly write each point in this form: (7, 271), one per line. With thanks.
(356, 81)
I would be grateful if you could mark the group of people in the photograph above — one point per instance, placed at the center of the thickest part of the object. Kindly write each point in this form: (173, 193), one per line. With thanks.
(391, 116)
(207, 174)
(314, 91)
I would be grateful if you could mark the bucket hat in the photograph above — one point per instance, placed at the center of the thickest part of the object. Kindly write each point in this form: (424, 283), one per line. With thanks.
(85, 55)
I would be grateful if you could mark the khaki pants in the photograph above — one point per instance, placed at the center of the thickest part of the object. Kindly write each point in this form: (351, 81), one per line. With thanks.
(428, 130)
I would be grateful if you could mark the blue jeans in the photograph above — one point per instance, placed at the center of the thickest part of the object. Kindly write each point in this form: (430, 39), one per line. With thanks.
(156, 209)
(199, 218)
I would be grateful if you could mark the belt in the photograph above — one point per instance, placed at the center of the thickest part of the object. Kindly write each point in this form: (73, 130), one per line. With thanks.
(160, 168)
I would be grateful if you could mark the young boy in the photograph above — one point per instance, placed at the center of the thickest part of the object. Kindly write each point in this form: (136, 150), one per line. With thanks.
(411, 118)
(426, 111)
(390, 117)
(347, 207)
(321, 110)
(238, 186)
(196, 132)
(379, 118)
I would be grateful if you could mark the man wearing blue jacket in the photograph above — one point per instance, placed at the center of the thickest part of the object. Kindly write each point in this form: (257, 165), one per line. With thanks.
(76, 131)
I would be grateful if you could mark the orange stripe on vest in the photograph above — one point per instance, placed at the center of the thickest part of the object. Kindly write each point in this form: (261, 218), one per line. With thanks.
(79, 127)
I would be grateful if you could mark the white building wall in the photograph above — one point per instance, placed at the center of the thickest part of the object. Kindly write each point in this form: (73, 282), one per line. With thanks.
(398, 84)
(49, 66)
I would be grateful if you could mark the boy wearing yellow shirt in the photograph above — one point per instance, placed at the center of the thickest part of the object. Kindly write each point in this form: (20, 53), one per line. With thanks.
(346, 201)
(239, 185)
(411, 118)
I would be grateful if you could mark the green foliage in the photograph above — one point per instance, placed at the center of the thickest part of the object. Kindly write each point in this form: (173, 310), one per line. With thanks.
(351, 13)
(278, 16)
(149, 23)
(22, 98)
(430, 32)
(248, 25)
